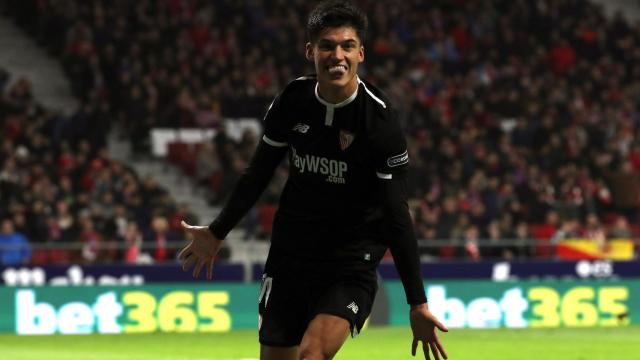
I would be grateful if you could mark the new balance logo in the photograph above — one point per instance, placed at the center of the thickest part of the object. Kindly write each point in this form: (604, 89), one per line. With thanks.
(301, 128)
(353, 307)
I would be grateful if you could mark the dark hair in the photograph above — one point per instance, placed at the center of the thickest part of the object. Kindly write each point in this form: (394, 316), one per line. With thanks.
(336, 13)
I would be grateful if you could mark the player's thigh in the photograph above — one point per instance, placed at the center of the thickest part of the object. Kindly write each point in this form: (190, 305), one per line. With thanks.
(350, 301)
(324, 336)
(282, 311)
(278, 353)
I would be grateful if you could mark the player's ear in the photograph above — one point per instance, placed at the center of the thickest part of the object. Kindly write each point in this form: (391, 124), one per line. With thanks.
(361, 54)
(308, 51)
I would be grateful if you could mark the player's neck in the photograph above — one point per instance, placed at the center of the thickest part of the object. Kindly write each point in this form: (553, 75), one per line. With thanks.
(337, 94)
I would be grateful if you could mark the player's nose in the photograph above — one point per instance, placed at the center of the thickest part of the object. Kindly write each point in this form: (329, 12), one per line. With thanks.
(337, 53)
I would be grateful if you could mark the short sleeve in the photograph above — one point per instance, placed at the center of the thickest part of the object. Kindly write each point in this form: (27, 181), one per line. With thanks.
(275, 129)
(390, 148)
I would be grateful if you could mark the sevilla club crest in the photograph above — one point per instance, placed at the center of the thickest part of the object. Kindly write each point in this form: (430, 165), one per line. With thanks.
(346, 138)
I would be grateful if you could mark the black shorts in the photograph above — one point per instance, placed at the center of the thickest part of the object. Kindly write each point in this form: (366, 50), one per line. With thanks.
(293, 292)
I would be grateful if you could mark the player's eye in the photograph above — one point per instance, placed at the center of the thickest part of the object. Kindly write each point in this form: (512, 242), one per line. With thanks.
(349, 45)
(325, 46)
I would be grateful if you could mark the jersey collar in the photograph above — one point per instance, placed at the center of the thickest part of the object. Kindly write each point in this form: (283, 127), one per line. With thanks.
(328, 118)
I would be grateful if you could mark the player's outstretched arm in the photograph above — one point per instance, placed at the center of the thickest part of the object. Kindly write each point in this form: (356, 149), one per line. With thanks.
(424, 326)
(201, 250)
(404, 249)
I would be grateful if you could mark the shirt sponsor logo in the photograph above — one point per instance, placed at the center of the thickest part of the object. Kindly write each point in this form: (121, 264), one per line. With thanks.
(334, 170)
(398, 159)
(301, 128)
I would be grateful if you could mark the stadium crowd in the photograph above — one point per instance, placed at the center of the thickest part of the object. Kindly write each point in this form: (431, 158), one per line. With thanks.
(59, 187)
(522, 116)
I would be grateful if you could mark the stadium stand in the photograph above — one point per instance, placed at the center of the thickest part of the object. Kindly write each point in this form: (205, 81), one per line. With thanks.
(60, 189)
(522, 120)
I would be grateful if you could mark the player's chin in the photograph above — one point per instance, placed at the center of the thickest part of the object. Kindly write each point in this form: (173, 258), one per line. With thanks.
(337, 81)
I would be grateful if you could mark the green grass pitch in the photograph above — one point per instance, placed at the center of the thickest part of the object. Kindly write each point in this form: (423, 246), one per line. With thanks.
(374, 343)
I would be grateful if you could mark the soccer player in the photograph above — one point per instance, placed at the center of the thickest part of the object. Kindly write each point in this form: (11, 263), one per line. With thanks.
(343, 205)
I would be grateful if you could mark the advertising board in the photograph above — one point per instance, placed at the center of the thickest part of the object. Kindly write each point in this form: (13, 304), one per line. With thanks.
(200, 307)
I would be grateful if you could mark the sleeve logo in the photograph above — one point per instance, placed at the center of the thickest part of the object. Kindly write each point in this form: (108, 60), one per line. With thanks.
(398, 159)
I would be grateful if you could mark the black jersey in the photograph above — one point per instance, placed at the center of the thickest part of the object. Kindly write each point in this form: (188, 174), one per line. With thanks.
(345, 198)
(331, 204)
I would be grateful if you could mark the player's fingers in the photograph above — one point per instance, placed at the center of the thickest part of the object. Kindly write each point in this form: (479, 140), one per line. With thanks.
(210, 269)
(440, 325)
(184, 253)
(441, 348)
(414, 346)
(197, 268)
(434, 351)
(188, 263)
(425, 350)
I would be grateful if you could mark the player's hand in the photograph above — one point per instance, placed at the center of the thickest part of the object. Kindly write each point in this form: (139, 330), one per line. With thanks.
(201, 251)
(424, 325)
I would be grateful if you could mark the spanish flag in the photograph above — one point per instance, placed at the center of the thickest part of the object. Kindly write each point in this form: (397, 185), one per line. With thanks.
(584, 249)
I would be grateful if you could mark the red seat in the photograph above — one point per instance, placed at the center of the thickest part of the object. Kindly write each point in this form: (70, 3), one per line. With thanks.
(266, 213)
(447, 252)
(183, 155)
(58, 256)
(544, 249)
(176, 151)
(39, 257)
(542, 233)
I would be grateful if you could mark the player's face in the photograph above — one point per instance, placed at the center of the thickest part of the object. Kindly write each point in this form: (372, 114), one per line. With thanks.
(336, 55)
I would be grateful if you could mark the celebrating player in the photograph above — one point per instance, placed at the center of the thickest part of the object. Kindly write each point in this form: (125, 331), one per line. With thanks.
(343, 205)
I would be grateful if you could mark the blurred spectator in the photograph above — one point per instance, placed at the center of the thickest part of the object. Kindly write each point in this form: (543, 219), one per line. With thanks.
(65, 222)
(448, 219)
(208, 166)
(14, 247)
(160, 236)
(625, 188)
(495, 245)
(549, 228)
(570, 229)
(620, 229)
(471, 246)
(595, 232)
(133, 245)
(116, 224)
(523, 247)
(90, 240)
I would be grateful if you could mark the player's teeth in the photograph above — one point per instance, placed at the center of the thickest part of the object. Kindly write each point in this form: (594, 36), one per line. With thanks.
(337, 69)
